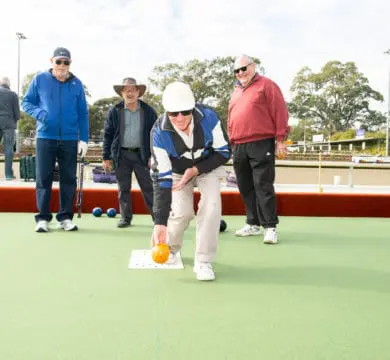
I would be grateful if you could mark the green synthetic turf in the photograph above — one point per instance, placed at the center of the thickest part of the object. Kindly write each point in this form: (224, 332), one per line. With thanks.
(322, 293)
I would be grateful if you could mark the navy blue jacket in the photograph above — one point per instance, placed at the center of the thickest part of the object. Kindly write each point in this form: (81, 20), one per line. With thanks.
(112, 126)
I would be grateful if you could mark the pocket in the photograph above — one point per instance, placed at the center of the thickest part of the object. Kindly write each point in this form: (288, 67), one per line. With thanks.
(262, 150)
(220, 172)
(41, 127)
(42, 116)
(42, 120)
(259, 97)
(236, 153)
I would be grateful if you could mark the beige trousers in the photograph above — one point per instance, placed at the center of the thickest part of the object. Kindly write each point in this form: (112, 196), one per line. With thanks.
(208, 216)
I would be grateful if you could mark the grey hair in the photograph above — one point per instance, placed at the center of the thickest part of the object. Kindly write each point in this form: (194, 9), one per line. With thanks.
(5, 81)
(250, 60)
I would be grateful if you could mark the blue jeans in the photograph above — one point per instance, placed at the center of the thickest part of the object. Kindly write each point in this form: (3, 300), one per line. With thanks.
(65, 152)
(8, 144)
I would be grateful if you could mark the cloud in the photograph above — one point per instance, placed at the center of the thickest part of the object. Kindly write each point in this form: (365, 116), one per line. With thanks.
(111, 40)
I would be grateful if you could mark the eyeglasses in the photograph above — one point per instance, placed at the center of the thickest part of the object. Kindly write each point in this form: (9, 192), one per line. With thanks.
(130, 91)
(183, 112)
(65, 62)
(243, 69)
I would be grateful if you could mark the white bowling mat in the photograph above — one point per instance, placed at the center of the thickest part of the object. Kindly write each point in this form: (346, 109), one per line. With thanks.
(142, 259)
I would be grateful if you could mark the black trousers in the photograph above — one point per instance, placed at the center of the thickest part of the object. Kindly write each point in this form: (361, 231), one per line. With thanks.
(254, 165)
(129, 162)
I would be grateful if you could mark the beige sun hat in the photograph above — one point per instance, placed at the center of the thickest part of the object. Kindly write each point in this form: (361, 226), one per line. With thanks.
(130, 81)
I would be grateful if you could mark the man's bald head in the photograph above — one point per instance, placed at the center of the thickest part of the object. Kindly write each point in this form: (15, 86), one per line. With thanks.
(242, 59)
(244, 69)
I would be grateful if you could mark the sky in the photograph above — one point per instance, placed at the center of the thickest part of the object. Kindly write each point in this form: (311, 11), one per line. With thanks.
(110, 40)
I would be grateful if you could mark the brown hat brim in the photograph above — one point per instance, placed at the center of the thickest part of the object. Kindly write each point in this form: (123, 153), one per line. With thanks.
(118, 89)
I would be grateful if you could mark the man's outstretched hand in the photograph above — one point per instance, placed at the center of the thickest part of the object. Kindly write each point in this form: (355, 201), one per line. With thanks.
(159, 235)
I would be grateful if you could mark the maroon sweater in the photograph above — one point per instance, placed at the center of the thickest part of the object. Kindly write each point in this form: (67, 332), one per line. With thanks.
(257, 112)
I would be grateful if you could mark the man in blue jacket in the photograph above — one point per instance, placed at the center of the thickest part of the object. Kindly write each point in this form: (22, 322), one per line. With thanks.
(56, 99)
(189, 147)
(126, 145)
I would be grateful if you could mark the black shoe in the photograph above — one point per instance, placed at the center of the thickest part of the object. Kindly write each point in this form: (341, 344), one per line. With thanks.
(123, 223)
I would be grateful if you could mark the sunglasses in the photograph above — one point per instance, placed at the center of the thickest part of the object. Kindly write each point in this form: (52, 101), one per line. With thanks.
(176, 113)
(65, 62)
(243, 69)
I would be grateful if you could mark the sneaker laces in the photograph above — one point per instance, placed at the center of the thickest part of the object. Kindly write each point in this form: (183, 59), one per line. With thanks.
(270, 231)
(42, 223)
(270, 234)
(248, 228)
(172, 258)
(67, 224)
(42, 226)
(203, 266)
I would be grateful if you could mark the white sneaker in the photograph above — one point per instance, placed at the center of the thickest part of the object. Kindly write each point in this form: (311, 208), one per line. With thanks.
(67, 225)
(42, 226)
(171, 259)
(204, 271)
(249, 230)
(270, 236)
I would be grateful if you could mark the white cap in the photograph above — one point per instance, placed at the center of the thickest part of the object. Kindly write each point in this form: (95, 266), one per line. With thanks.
(178, 96)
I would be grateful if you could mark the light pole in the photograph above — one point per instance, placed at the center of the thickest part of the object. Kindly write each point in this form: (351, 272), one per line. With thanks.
(388, 113)
(20, 36)
(305, 113)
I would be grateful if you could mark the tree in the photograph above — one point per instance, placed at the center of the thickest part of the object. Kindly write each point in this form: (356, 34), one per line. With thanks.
(303, 131)
(27, 124)
(212, 81)
(86, 91)
(97, 114)
(154, 101)
(335, 98)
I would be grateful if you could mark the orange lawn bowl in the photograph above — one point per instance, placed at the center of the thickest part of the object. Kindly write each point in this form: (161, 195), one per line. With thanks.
(160, 253)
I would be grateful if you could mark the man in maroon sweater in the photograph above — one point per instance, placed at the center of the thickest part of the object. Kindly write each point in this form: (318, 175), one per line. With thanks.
(257, 127)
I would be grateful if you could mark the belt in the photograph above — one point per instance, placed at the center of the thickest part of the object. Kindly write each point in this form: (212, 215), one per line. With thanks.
(130, 149)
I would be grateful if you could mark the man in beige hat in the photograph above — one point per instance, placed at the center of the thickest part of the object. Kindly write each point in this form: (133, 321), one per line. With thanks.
(126, 145)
